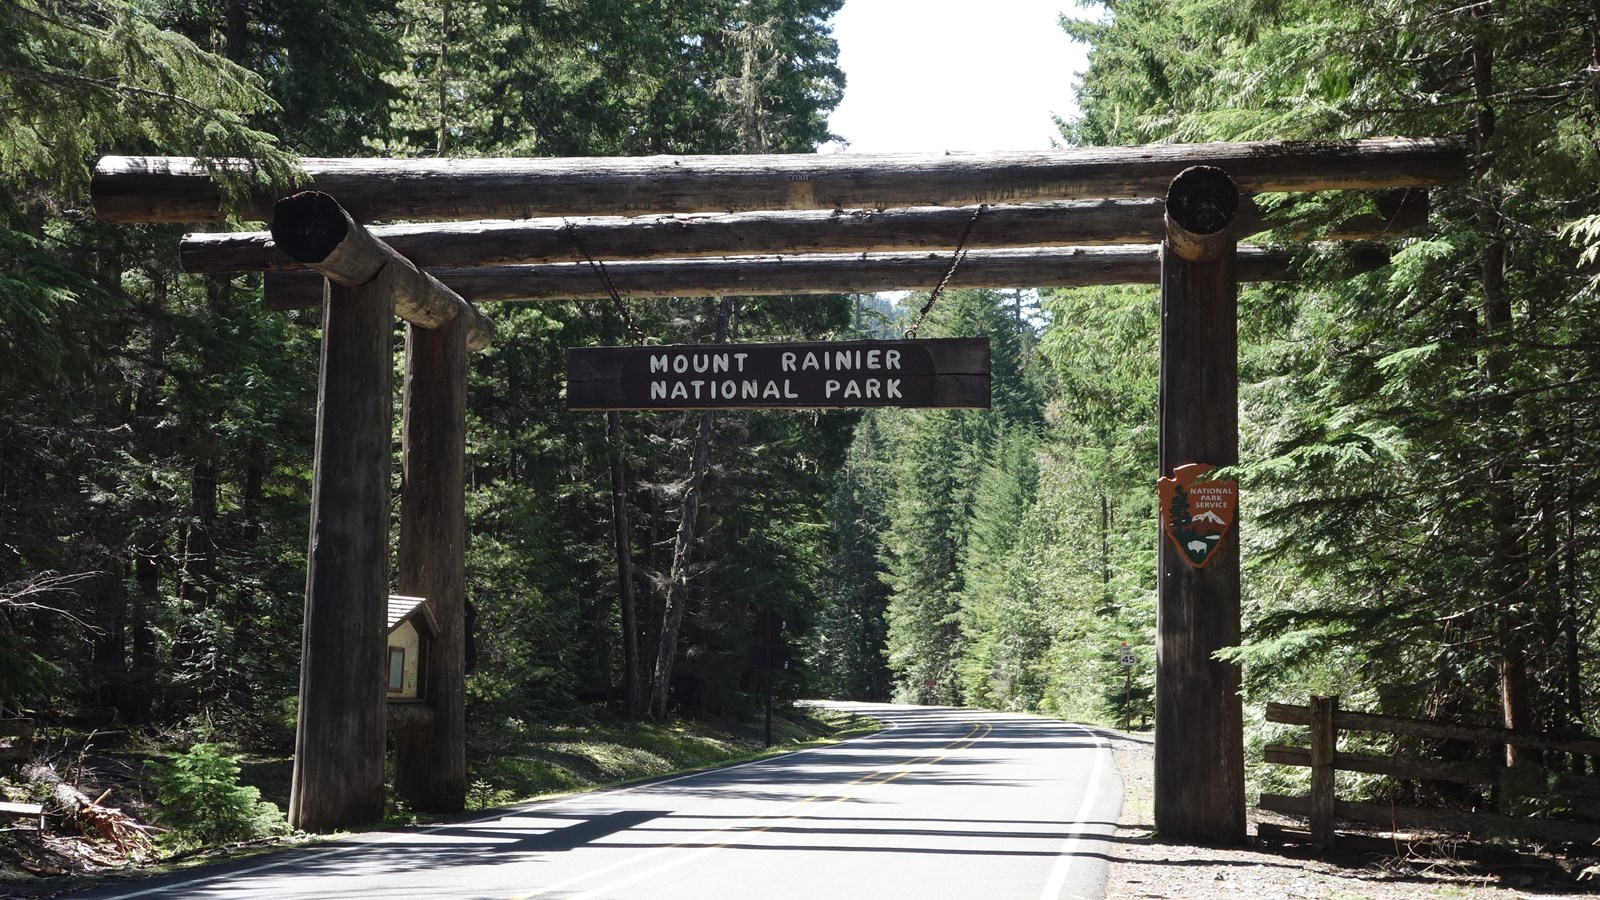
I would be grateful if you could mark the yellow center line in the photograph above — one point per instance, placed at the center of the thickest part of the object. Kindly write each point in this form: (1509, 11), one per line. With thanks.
(977, 732)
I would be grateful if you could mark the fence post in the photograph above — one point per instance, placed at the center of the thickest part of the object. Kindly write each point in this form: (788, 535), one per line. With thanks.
(1324, 740)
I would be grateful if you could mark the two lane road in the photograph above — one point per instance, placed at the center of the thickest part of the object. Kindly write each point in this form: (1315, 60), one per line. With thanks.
(940, 803)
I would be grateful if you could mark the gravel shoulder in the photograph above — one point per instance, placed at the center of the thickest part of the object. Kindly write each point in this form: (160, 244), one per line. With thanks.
(1144, 867)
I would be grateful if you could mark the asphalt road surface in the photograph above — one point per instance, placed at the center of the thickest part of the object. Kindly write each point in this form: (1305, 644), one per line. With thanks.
(943, 803)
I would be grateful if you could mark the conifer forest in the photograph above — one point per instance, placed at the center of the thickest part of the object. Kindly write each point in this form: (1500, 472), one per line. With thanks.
(1419, 461)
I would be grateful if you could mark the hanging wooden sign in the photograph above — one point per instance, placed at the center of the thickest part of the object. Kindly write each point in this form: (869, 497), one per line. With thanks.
(1197, 515)
(946, 373)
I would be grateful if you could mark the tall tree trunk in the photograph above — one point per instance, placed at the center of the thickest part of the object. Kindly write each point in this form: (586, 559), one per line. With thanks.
(444, 76)
(140, 696)
(683, 549)
(678, 582)
(632, 686)
(110, 642)
(1506, 554)
(238, 24)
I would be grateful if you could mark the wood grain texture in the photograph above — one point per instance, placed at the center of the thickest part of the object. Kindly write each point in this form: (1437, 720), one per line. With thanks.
(431, 766)
(1324, 743)
(1201, 207)
(339, 737)
(931, 230)
(834, 274)
(176, 189)
(1199, 742)
(313, 230)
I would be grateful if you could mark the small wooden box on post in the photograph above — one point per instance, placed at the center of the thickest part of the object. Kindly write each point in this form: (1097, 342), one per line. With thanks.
(1199, 739)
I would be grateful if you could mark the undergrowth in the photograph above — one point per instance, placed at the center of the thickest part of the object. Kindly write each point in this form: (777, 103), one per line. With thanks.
(518, 761)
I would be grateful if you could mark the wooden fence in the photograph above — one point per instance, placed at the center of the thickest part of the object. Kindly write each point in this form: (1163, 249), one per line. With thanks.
(1325, 720)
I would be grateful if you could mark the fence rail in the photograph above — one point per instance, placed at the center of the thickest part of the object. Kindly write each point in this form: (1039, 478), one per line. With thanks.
(1321, 807)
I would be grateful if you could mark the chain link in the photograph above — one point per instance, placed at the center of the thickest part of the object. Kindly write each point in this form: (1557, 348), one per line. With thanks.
(955, 263)
(599, 269)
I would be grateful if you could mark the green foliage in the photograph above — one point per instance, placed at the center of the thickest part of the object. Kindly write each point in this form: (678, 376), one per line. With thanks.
(530, 760)
(83, 77)
(1412, 470)
(156, 433)
(199, 797)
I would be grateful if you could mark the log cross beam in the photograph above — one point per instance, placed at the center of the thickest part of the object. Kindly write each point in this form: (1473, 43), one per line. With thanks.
(834, 273)
(180, 189)
(918, 230)
(314, 230)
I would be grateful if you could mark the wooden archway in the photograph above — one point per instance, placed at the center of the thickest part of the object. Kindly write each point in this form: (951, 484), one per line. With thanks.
(735, 224)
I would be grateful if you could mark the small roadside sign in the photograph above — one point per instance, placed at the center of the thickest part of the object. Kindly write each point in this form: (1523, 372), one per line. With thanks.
(1125, 657)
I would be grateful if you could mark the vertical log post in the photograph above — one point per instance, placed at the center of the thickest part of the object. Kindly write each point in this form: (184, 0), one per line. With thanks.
(430, 763)
(1199, 740)
(338, 780)
(338, 758)
(1323, 743)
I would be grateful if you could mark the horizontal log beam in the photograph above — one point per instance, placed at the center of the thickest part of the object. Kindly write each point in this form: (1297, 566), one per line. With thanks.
(828, 274)
(1392, 766)
(1455, 821)
(1088, 223)
(312, 229)
(177, 189)
(534, 241)
(1465, 772)
(1289, 714)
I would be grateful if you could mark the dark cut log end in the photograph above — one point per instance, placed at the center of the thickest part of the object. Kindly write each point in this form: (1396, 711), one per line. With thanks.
(1202, 200)
(308, 226)
(1201, 203)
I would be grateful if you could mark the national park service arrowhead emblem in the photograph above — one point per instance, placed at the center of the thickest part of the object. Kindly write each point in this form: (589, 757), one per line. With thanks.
(1197, 516)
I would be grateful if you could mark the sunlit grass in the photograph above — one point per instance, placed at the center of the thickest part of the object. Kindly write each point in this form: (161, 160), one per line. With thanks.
(529, 761)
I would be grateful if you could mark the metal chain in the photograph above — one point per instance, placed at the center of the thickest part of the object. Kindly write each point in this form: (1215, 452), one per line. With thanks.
(599, 269)
(955, 262)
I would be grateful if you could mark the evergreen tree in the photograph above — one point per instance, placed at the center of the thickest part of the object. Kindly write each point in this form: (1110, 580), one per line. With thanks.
(1403, 431)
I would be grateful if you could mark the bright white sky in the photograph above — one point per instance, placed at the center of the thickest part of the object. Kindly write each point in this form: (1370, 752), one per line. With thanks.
(934, 75)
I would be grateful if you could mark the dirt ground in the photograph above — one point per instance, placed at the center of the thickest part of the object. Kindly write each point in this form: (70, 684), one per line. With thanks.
(1143, 866)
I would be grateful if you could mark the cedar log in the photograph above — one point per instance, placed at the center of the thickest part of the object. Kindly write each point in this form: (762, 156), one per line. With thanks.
(830, 274)
(314, 230)
(926, 229)
(1200, 213)
(176, 189)
(339, 745)
(431, 764)
(1199, 742)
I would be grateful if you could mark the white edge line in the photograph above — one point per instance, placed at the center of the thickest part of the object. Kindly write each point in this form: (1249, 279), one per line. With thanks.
(647, 854)
(1064, 857)
(291, 857)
